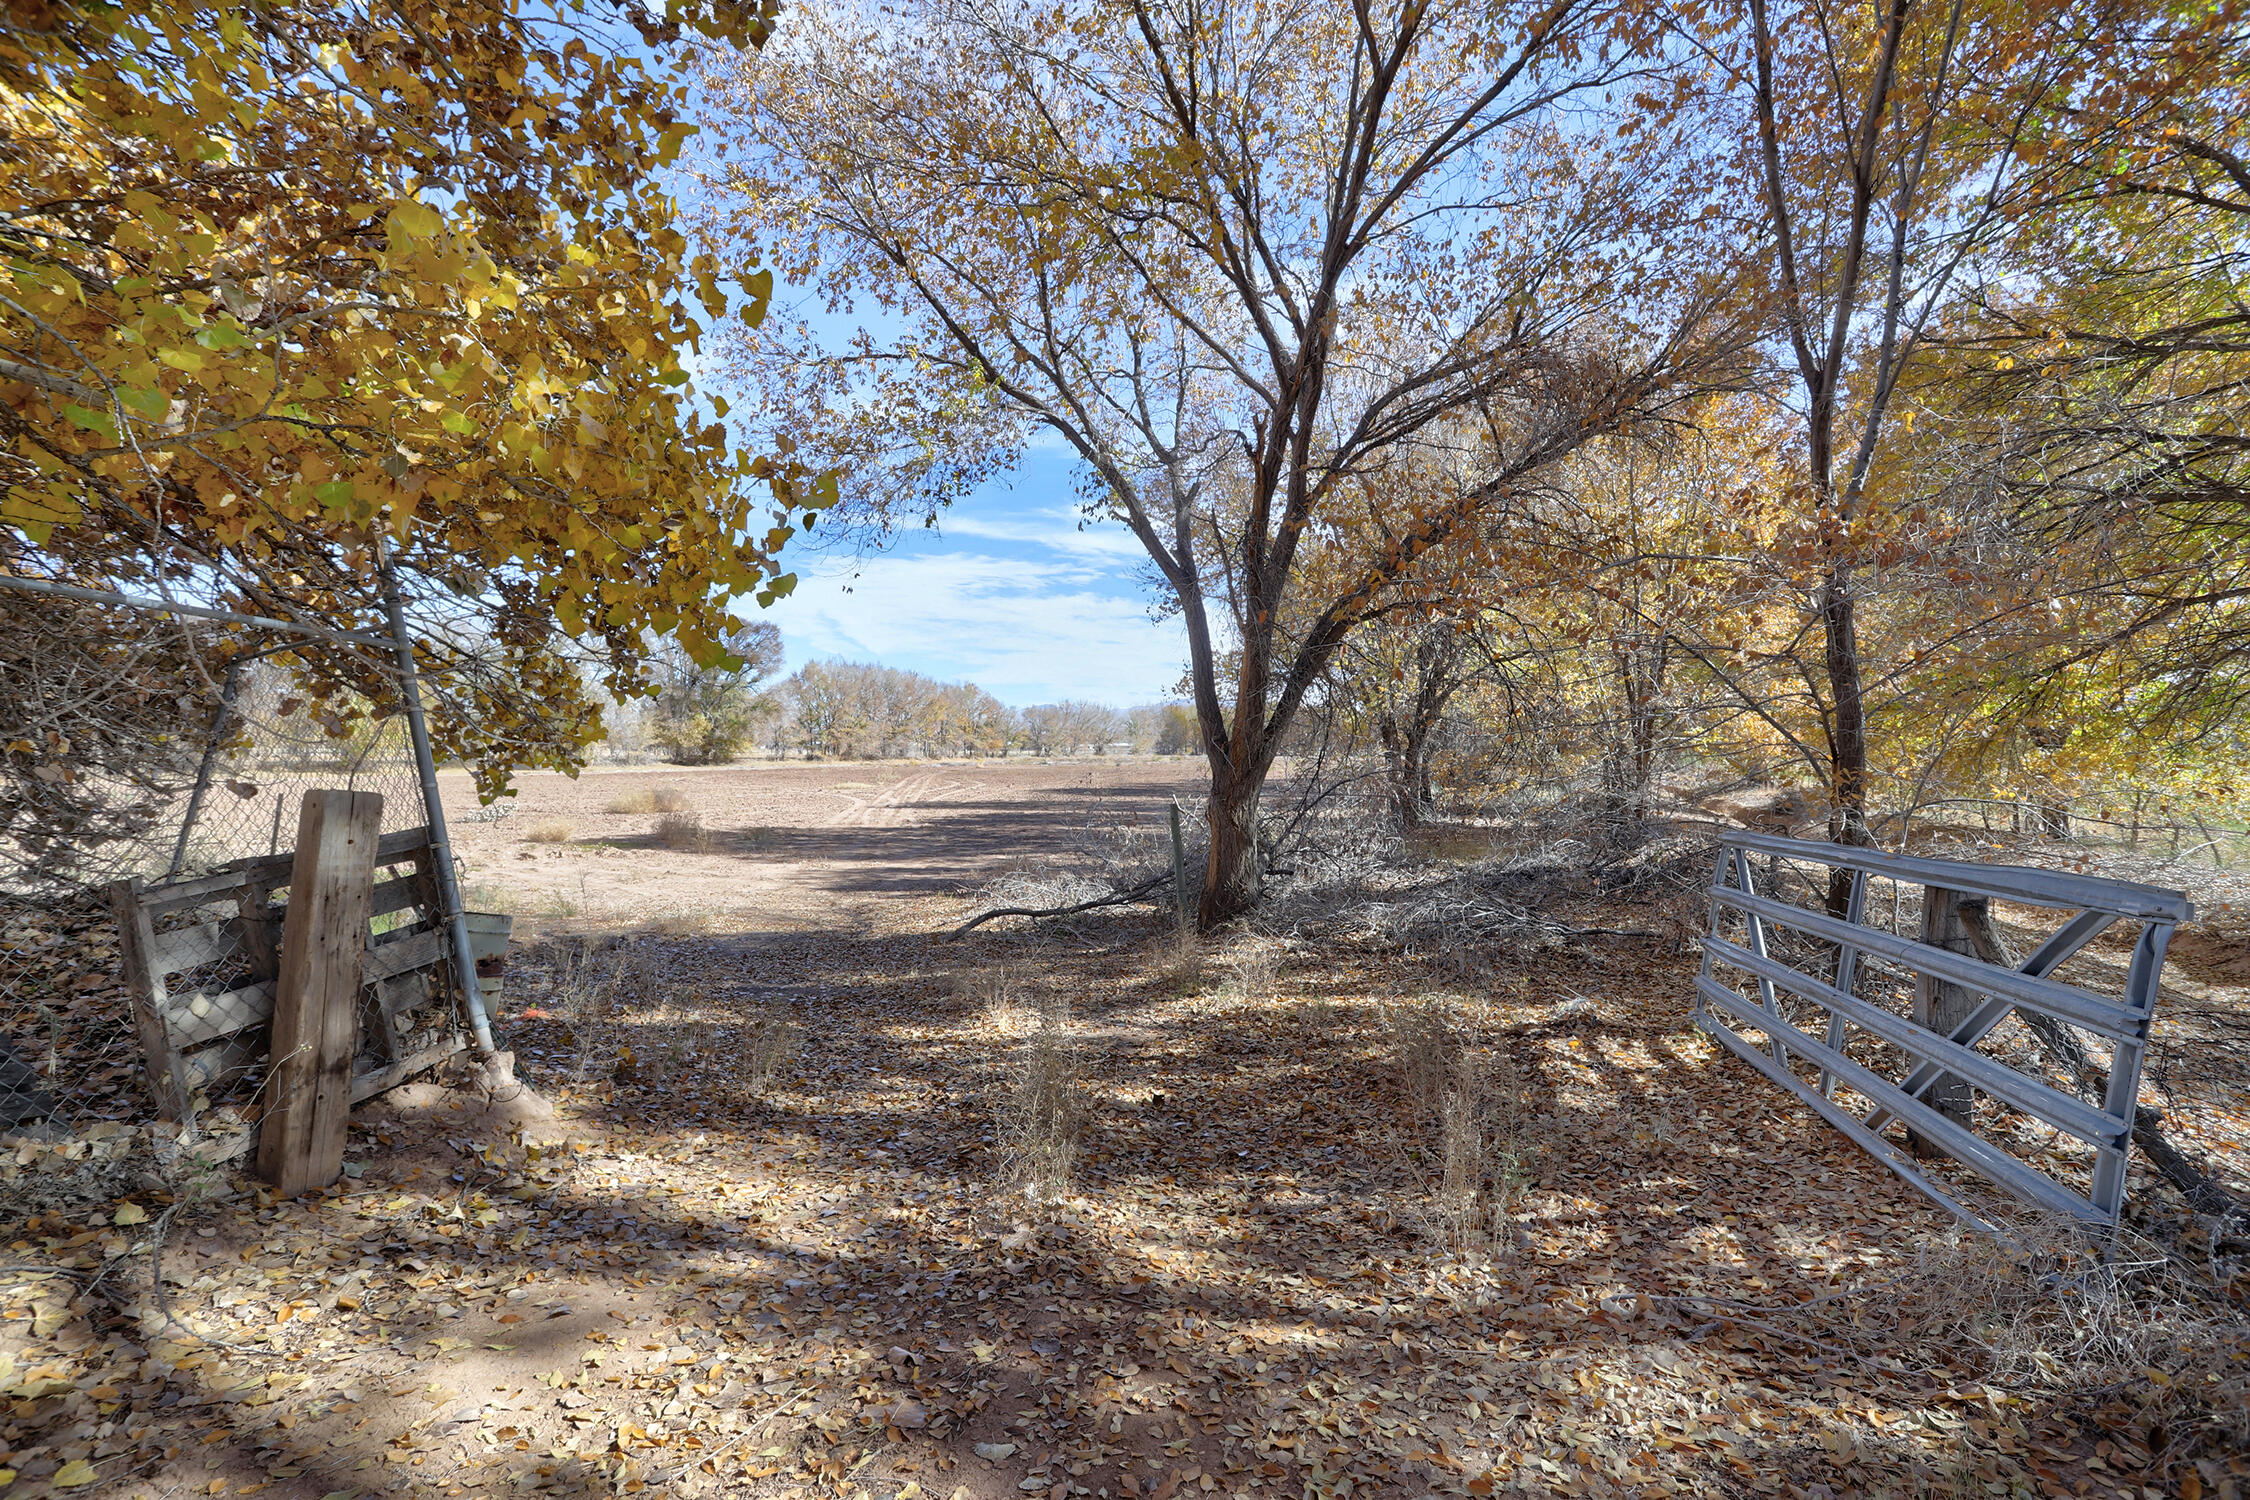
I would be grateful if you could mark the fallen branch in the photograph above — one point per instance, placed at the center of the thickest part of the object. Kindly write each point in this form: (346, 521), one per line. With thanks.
(2201, 1190)
(1118, 898)
(2199, 1187)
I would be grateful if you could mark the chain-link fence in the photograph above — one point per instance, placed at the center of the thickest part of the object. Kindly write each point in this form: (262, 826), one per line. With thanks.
(176, 753)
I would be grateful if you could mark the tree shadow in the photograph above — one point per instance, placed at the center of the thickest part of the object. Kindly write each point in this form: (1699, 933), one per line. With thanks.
(1237, 1289)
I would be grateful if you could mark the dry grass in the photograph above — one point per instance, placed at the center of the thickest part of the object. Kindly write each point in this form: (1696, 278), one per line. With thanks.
(998, 996)
(1253, 979)
(650, 799)
(668, 1052)
(1044, 1115)
(595, 991)
(1182, 967)
(1469, 1155)
(683, 830)
(553, 831)
(1426, 1043)
(2058, 1311)
(772, 1042)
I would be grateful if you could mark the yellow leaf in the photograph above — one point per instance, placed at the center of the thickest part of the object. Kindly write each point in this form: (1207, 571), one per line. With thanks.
(75, 1473)
(415, 219)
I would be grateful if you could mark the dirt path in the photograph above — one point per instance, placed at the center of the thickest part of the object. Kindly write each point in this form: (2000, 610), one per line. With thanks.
(701, 1285)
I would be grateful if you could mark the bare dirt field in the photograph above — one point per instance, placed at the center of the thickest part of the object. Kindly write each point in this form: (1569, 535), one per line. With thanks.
(789, 843)
(777, 1241)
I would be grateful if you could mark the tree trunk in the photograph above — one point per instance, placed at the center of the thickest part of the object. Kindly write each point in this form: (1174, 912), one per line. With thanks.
(1231, 877)
(1847, 792)
(1398, 765)
(1941, 1006)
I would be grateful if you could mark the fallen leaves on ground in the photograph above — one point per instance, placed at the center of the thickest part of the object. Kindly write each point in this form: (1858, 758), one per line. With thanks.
(816, 1287)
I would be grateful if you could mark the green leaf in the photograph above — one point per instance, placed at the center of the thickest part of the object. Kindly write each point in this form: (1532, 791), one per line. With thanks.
(335, 492)
(149, 401)
(90, 419)
(457, 423)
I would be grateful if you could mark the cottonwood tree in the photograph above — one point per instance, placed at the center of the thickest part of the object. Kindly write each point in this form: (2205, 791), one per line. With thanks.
(1892, 151)
(1230, 255)
(704, 715)
(2099, 381)
(1061, 728)
(290, 286)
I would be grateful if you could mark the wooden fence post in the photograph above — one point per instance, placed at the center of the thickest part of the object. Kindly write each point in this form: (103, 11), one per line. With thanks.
(316, 1003)
(1941, 1006)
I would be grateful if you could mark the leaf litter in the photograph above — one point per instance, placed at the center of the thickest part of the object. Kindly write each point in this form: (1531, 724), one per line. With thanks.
(806, 1277)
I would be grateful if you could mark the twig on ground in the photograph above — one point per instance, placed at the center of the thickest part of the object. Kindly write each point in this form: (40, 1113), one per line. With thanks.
(1115, 898)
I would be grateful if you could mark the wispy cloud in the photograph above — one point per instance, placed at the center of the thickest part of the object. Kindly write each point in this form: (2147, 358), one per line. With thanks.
(1059, 530)
(1028, 630)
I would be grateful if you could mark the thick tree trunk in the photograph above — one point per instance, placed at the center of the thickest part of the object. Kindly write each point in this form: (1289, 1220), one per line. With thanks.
(1409, 778)
(1847, 790)
(1231, 876)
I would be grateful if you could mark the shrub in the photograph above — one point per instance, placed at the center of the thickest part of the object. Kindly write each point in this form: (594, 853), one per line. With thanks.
(553, 831)
(772, 1042)
(641, 799)
(682, 830)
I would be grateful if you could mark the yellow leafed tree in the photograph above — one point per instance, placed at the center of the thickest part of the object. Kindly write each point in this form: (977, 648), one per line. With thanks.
(284, 287)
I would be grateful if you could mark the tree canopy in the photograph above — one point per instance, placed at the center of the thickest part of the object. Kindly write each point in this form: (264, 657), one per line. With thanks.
(292, 288)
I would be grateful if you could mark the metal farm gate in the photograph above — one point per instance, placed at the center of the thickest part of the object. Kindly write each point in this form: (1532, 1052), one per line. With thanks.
(1909, 1011)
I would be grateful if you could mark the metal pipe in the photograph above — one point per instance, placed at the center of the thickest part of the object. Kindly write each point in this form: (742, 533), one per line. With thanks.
(203, 771)
(200, 611)
(425, 766)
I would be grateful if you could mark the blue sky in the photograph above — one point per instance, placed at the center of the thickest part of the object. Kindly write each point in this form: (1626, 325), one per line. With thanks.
(1009, 593)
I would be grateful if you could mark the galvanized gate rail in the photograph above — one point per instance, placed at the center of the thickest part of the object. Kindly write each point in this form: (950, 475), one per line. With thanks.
(1739, 987)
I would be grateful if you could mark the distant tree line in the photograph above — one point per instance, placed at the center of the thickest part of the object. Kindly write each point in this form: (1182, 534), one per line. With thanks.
(863, 711)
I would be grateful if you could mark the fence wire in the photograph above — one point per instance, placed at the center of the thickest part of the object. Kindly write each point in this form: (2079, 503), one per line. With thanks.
(137, 745)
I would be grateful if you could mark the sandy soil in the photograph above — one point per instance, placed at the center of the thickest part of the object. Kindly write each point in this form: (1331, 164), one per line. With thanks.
(789, 843)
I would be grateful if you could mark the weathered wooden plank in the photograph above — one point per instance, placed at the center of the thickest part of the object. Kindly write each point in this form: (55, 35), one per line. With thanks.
(401, 894)
(259, 923)
(367, 1085)
(272, 870)
(316, 1007)
(417, 951)
(196, 1019)
(1941, 1006)
(186, 948)
(182, 895)
(168, 1085)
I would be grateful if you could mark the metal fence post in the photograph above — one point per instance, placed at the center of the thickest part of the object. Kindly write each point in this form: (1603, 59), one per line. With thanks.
(441, 847)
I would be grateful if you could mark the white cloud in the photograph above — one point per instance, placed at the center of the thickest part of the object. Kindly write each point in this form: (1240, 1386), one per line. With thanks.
(1027, 631)
(1057, 530)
